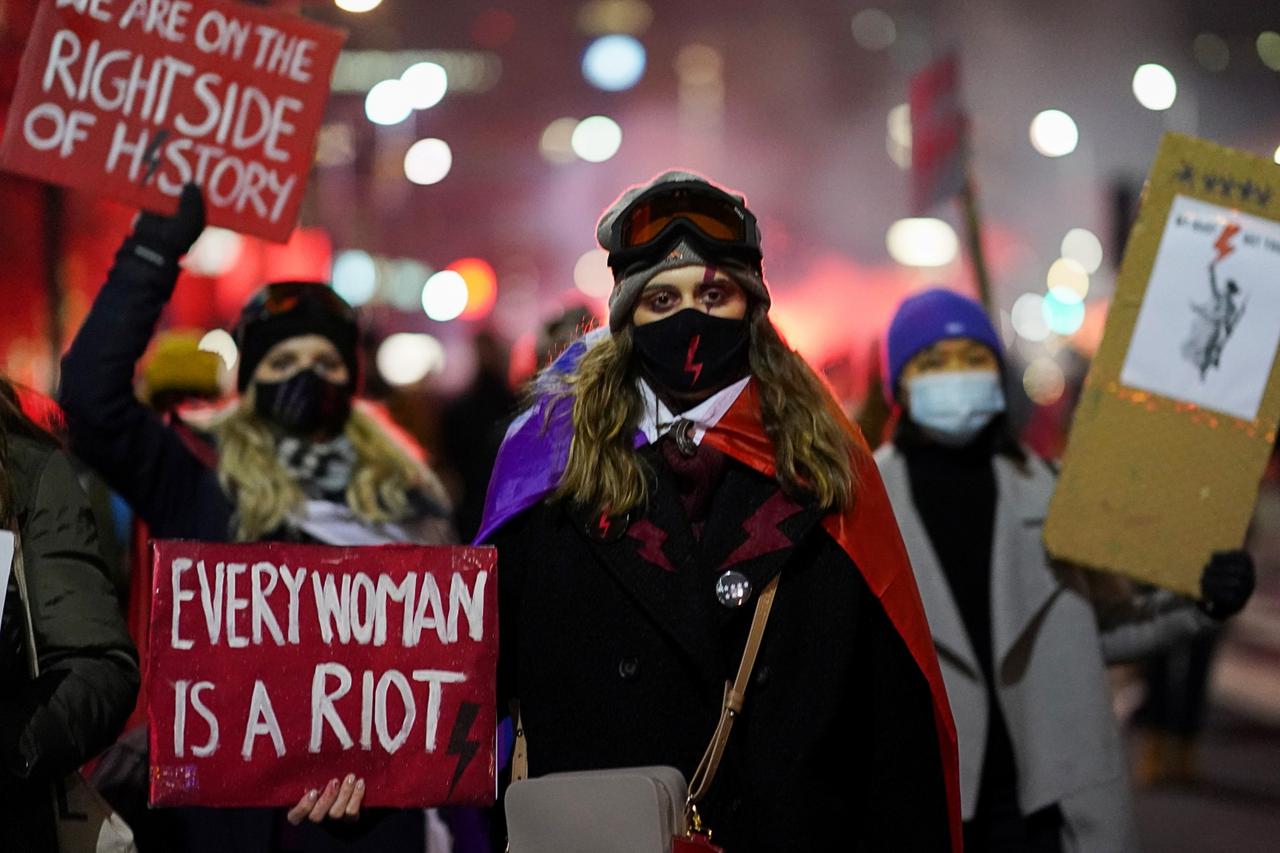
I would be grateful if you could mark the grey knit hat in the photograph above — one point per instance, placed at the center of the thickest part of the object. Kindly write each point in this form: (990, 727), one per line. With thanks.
(627, 288)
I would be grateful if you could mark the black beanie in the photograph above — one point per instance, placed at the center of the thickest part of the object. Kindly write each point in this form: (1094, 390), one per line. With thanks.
(286, 309)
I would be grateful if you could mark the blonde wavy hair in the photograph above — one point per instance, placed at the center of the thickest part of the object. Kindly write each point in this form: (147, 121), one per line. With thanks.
(815, 451)
(264, 494)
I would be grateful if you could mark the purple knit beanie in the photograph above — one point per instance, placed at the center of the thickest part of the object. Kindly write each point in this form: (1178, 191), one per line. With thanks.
(930, 316)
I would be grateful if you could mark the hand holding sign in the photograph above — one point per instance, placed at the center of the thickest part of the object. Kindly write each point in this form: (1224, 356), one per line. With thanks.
(336, 802)
(165, 239)
(135, 98)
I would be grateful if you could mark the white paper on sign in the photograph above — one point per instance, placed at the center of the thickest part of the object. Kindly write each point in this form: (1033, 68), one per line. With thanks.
(7, 540)
(1209, 324)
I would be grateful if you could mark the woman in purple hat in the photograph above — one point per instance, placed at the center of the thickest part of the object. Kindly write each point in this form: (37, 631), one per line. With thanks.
(1023, 641)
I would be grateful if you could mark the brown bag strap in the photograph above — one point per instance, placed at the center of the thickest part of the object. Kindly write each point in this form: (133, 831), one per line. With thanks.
(520, 754)
(734, 696)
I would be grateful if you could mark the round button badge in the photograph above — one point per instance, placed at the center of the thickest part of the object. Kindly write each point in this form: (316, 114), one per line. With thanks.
(733, 589)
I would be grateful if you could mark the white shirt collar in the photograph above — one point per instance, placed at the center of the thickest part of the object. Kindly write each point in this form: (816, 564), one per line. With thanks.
(657, 419)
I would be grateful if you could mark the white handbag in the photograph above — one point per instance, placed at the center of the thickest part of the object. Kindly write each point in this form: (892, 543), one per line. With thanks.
(86, 822)
(629, 809)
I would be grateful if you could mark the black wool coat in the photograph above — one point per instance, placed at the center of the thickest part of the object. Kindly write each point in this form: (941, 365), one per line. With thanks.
(618, 651)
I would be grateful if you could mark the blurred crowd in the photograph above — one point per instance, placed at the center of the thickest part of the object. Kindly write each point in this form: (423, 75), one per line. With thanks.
(979, 712)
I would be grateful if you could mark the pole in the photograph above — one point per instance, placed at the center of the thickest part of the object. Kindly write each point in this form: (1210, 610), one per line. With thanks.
(54, 226)
(973, 239)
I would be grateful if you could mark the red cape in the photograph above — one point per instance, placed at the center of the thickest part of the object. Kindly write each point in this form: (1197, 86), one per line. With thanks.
(868, 533)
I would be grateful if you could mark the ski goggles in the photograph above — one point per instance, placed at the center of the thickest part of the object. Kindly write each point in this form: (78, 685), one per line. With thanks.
(715, 218)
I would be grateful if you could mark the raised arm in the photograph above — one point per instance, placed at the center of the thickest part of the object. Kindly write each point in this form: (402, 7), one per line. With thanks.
(129, 445)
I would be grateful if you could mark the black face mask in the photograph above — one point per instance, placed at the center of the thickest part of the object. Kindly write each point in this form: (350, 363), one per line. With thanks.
(693, 351)
(305, 404)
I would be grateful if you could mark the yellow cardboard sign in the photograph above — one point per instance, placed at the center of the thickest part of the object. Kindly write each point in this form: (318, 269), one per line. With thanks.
(1179, 410)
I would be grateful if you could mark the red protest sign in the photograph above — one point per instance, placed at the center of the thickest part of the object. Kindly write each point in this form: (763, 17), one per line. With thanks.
(276, 667)
(939, 128)
(134, 98)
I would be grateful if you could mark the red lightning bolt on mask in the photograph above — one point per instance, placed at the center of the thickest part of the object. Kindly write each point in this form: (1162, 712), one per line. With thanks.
(1223, 243)
(691, 366)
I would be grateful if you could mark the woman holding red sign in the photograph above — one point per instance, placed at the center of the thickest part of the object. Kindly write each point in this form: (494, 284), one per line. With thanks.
(671, 475)
(294, 460)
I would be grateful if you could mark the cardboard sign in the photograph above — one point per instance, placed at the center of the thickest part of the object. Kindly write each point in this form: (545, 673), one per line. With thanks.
(134, 98)
(276, 667)
(1179, 411)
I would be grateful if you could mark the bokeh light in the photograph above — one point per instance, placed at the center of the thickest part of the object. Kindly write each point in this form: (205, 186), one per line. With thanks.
(357, 5)
(482, 286)
(215, 251)
(591, 274)
(1054, 133)
(1069, 277)
(408, 357)
(1028, 318)
(1211, 51)
(1083, 246)
(1063, 311)
(1269, 49)
(596, 139)
(354, 276)
(387, 103)
(1044, 381)
(425, 84)
(444, 296)
(615, 16)
(1277, 155)
(220, 342)
(898, 142)
(401, 282)
(1154, 86)
(922, 242)
(873, 29)
(428, 161)
(699, 65)
(614, 62)
(556, 144)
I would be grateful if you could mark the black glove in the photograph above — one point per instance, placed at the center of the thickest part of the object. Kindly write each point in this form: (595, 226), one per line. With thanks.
(163, 239)
(1226, 584)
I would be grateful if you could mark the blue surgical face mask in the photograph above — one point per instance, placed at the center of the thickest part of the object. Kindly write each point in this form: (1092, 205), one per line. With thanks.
(953, 407)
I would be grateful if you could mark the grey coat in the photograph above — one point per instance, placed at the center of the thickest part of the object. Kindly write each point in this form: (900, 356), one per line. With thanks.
(1052, 634)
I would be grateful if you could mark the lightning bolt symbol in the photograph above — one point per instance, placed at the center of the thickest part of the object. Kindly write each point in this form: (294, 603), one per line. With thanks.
(459, 742)
(691, 366)
(651, 537)
(764, 535)
(152, 155)
(603, 524)
(1223, 243)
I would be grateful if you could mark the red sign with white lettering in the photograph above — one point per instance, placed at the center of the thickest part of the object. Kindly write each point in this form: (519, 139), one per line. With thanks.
(134, 98)
(276, 667)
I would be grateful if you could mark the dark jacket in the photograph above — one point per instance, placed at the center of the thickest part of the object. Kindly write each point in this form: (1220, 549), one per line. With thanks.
(143, 459)
(618, 650)
(89, 669)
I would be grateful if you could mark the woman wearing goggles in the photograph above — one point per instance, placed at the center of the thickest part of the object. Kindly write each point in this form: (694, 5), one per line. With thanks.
(669, 469)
